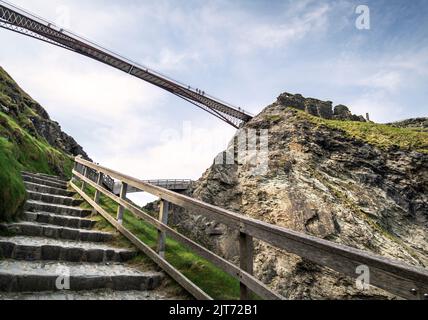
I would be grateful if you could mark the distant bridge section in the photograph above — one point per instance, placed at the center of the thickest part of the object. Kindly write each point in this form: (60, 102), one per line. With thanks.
(177, 185)
(21, 21)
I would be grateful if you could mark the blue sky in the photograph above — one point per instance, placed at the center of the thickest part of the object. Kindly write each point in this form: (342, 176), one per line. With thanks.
(245, 52)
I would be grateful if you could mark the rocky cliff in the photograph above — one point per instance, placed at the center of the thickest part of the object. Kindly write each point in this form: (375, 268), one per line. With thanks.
(319, 108)
(332, 175)
(32, 117)
(30, 141)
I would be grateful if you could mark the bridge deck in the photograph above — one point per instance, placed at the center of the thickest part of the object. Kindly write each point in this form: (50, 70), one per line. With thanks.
(170, 184)
(114, 186)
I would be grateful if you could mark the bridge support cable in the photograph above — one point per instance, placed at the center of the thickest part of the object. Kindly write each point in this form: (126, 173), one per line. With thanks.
(18, 20)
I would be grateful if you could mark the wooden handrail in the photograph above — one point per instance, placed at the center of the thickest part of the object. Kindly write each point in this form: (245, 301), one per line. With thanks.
(161, 262)
(396, 277)
(254, 284)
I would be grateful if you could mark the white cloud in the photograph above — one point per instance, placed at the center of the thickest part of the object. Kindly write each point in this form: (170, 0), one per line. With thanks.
(295, 28)
(261, 35)
(379, 106)
(183, 153)
(279, 36)
(93, 19)
(387, 80)
(170, 60)
(215, 30)
(97, 95)
(415, 61)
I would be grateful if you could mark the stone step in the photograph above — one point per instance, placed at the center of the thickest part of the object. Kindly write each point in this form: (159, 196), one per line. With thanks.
(92, 295)
(45, 182)
(25, 276)
(45, 177)
(36, 248)
(33, 229)
(41, 174)
(38, 206)
(54, 199)
(59, 220)
(34, 187)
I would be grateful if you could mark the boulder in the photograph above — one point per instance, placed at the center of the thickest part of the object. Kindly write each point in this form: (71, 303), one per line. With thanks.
(342, 112)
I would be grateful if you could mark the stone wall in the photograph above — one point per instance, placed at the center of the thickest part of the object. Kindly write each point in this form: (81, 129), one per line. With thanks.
(319, 108)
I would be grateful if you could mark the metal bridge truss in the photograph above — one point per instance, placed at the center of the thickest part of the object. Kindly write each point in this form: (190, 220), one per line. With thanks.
(21, 21)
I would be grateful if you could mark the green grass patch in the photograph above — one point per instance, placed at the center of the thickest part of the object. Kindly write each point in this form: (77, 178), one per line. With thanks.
(21, 151)
(380, 135)
(274, 118)
(12, 191)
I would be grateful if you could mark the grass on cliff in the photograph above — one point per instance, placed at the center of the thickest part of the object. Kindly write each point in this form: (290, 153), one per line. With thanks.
(380, 135)
(214, 281)
(21, 151)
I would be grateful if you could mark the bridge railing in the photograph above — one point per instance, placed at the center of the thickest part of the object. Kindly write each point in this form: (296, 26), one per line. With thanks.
(113, 186)
(398, 278)
(171, 184)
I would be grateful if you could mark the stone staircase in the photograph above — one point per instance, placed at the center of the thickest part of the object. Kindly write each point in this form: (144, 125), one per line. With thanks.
(56, 241)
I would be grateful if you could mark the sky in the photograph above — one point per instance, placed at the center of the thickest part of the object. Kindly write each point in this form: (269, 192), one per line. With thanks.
(244, 52)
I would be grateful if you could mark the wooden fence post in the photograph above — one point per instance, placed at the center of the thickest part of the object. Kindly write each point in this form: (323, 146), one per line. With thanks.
(97, 193)
(121, 209)
(246, 248)
(85, 169)
(163, 217)
(73, 177)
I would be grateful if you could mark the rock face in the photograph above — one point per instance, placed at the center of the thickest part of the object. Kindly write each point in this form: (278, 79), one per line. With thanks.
(15, 103)
(51, 131)
(315, 107)
(323, 183)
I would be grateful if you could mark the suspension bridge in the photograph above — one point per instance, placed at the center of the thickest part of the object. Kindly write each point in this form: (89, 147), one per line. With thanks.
(21, 21)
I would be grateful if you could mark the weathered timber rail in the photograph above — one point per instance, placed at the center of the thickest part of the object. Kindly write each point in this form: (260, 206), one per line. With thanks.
(398, 278)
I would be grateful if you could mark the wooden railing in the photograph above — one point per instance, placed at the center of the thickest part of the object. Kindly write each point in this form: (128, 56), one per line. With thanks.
(400, 279)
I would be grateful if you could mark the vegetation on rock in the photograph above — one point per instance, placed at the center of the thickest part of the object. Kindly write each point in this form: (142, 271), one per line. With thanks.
(24, 145)
(380, 135)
